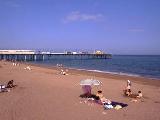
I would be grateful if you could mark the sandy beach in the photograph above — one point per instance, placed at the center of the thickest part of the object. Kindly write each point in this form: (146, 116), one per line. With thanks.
(44, 94)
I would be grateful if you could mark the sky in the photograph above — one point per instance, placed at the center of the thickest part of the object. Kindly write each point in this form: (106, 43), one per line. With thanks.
(114, 26)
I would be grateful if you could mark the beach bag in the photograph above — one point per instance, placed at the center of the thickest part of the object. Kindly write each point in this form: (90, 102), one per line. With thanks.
(118, 107)
(2, 86)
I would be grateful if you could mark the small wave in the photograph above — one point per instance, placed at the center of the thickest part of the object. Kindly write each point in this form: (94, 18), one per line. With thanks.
(129, 74)
(113, 73)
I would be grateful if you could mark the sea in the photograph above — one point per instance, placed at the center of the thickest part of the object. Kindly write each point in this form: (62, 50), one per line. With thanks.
(131, 65)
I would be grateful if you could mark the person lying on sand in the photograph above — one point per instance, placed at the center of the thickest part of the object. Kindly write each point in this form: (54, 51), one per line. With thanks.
(28, 68)
(136, 97)
(102, 98)
(130, 94)
(64, 72)
(108, 104)
(139, 94)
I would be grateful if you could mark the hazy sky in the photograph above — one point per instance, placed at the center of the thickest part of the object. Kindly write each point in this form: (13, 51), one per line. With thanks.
(116, 26)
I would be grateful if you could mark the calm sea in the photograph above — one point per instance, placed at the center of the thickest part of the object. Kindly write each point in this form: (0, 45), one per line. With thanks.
(132, 65)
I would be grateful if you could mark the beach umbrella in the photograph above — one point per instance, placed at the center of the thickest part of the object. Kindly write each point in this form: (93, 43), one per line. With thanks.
(90, 82)
(87, 85)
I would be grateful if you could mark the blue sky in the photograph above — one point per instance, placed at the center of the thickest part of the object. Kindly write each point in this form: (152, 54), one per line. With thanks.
(115, 26)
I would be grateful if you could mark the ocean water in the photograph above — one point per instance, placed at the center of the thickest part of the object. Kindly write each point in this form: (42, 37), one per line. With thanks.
(131, 65)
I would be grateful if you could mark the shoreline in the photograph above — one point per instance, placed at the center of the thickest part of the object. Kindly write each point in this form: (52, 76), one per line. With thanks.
(93, 74)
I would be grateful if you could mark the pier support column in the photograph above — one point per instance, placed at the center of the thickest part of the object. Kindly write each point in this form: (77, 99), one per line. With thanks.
(35, 57)
(4, 57)
(25, 58)
(16, 57)
(43, 57)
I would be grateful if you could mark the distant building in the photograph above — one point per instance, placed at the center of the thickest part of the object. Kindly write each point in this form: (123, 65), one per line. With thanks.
(99, 52)
(68, 52)
(45, 53)
(84, 52)
(17, 52)
(74, 52)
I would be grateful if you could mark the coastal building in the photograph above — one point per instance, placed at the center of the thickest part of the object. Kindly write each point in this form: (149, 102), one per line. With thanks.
(83, 52)
(45, 52)
(68, 52)
(74, 52)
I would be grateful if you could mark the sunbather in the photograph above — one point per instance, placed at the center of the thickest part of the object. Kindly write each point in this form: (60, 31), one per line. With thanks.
(136, 97)
(139, 94)
(99, 94)
(27, 68)
(64, 72)
(128, 92)
(10, 84)
(102, 98)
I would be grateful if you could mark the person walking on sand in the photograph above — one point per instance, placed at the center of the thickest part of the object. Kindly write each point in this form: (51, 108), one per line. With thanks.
(128, 84)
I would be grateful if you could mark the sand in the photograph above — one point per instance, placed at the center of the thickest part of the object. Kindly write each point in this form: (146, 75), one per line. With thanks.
(44, 94)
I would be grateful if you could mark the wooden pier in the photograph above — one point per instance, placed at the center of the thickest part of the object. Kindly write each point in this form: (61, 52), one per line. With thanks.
(42, 57)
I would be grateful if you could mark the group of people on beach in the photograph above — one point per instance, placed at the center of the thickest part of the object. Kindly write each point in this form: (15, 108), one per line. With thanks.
(99, 98)
(14, 63)
(128, 92)
(62, 71)
(108, 104)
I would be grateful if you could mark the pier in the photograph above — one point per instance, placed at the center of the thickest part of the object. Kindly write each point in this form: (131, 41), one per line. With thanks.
(33, 56)
(42, 57)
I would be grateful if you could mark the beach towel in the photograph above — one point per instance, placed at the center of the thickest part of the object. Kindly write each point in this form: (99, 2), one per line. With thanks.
(116, 105)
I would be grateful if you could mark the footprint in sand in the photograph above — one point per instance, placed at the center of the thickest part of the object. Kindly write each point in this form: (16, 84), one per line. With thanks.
(156, 101)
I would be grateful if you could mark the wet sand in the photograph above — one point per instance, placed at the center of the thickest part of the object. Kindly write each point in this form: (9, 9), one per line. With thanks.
(44, 94)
